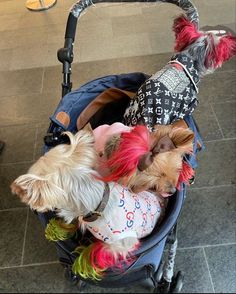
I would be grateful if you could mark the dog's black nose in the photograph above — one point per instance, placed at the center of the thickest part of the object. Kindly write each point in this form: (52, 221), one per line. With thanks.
(172, 190)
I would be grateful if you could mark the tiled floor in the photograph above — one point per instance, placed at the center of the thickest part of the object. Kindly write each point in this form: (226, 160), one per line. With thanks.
(111, 40)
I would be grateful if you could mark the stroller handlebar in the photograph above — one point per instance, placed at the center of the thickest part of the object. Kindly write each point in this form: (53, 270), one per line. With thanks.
(186, 5)
(65, 54)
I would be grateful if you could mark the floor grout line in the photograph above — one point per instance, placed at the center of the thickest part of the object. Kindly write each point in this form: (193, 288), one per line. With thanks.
(13, 163)
(218, 123)
(29, 265)
(209, 272)
(24, 240)
(42, 81)
(13, 209)
(220, 140)
(212, 187)
(35, 142)
(207, 246)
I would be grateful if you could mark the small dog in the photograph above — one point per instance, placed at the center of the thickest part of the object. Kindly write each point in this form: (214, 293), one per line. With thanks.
(65, 180)
(171, 93)
(144, 160)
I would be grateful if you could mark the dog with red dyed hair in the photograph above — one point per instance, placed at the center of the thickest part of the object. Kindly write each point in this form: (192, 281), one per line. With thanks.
(144, 160)
(171, 93)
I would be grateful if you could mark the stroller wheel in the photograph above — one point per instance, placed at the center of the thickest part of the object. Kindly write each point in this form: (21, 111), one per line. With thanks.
(177, 283)
(158, 274)
(73, 279)
(70, 276)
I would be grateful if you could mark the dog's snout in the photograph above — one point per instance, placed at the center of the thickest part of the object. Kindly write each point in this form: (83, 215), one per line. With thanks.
(171, 189)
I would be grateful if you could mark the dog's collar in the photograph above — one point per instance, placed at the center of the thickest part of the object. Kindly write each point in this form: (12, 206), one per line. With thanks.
(94, 215)
(188, 66)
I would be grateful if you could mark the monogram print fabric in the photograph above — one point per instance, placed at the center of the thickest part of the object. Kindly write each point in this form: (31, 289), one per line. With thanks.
(135, 216)
(167, 96)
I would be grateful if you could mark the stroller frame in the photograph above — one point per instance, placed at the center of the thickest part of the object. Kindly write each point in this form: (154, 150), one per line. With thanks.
(159, 274)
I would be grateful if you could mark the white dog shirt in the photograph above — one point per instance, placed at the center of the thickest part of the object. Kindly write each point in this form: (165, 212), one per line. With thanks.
(132, 215)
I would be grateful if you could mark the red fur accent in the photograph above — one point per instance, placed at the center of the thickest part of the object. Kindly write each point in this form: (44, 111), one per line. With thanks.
(185, 33)
(124, 160)
(101, 257)
(185, 175)
(225, 49)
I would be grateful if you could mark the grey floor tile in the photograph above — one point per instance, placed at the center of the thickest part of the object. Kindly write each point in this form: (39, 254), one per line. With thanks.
(48, 279)
(207, 122)
(148, 64)
(37, 248)
(128, 289)
(29, 108)
(33, 55)
(218, 87)
(5, 58)
(221, 12)
(52, 79)
(39, 144)
(12, 226)
(21, 82)
(222, 265)
(20, 141)
(8, 173)
(196, 276)
(225, 113)
(216, 164)
(208, 217)
(229, 65)
(35, 279)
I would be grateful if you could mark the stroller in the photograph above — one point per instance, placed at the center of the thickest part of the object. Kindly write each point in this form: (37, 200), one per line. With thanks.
(103, 101)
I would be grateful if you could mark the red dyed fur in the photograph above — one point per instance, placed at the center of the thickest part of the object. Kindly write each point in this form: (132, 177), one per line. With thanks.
(101, 257)
(185, 33)
(225, 49)
(222, 48)
(124, 161)
(185, 175)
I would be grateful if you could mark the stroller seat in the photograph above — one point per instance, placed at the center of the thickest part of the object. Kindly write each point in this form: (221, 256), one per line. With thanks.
(103, 101)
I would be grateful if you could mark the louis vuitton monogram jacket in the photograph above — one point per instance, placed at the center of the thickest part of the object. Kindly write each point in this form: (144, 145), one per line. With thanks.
(167, 96)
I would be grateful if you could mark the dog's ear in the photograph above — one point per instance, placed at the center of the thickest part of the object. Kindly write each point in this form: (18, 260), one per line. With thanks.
(185, 33)
(40, 194)
(88, 128)
(183, 139)
(224, 49)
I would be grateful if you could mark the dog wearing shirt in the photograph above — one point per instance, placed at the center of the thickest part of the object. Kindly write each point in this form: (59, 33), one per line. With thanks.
(171, 93)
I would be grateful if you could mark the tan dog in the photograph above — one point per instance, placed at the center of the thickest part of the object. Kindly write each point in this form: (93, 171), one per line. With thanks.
(150, 161)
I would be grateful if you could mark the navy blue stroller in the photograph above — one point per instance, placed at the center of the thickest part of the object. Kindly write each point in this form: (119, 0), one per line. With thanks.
(90, 103)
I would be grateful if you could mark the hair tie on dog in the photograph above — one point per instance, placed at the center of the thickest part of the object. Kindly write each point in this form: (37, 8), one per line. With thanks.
(165, 144)
(145, 161)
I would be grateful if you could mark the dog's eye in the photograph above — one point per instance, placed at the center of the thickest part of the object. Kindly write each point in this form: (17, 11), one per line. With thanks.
(163, 175)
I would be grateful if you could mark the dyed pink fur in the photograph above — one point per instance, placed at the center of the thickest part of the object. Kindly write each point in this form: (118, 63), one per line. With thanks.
(185, 33)
(125, 161)
(102, 258)
(224, 50)
(185, 175)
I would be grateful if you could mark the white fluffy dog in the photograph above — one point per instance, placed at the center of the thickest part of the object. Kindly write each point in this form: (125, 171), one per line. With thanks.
(65, 179)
